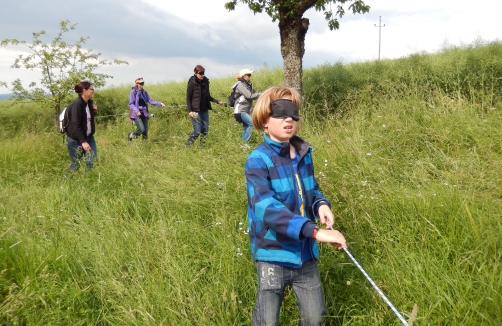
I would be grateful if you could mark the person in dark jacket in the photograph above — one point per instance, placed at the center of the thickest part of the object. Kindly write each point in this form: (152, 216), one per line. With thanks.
(138, 105)
(199, 103)
(80, 132)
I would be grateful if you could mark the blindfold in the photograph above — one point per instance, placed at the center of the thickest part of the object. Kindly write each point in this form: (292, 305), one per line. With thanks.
(282, 109)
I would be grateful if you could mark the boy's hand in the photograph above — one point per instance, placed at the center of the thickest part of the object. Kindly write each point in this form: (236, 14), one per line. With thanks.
(331, 236)
(326, 216)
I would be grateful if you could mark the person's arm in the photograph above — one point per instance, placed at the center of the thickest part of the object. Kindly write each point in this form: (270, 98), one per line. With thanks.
(331, 236)
(244, 91)
(189, 95)
(152, 101)
(74, 124)
(212, 99)
(266, 204)
(132, 104)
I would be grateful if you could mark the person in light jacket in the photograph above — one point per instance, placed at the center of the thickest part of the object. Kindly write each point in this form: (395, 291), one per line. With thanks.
(138, 103)
(245, 94)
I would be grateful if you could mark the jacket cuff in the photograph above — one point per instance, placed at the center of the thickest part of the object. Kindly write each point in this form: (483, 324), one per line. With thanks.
(308, 229)
(318, 204)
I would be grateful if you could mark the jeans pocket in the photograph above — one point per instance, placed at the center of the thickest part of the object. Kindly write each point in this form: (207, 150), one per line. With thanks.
(270, 276)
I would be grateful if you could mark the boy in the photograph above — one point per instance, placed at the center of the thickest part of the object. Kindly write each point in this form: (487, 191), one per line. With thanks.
(283, 202)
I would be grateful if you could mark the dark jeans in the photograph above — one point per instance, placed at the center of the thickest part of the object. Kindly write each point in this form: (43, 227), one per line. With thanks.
(76, 152)
(200, 127)
(142, 127)
(305, 281)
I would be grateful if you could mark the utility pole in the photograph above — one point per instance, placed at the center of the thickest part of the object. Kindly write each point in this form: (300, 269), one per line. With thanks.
(379, 34)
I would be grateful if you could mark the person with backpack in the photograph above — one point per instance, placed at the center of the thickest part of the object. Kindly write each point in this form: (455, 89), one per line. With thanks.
(199, 101)
(244, 96)
(80, 128)
(138, 104)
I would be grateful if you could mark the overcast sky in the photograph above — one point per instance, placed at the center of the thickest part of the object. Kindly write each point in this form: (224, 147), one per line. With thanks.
(164, 39)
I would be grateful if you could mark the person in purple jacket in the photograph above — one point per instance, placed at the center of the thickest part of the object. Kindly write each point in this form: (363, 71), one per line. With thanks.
(138, 103)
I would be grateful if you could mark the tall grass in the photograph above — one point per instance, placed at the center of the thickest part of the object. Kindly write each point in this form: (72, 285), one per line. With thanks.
(156, 233)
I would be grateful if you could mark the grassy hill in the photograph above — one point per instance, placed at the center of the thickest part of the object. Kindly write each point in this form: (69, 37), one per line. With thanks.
(409, 151)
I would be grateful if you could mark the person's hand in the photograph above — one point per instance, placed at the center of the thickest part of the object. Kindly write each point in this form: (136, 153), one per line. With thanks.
(139, 113)
(220, 102)
(162, 104)
(94, 108)
(191, 114)
(85, 146)
(326, 216)
(331, 236)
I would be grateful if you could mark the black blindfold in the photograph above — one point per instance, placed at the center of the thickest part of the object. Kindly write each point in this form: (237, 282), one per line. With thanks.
(282, 109)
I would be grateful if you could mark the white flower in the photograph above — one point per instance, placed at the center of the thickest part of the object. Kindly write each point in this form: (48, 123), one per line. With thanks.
(202, 178)
(368, 154)
(364, 183)
(384, 125)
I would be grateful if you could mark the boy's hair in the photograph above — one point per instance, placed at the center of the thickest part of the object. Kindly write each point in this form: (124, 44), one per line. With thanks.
(261, 111)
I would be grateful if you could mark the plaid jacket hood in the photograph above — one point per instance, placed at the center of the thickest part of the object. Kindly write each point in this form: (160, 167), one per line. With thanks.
(274, 220)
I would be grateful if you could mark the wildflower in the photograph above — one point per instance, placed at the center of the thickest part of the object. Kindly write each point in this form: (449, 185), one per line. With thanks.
(202, 178)
(364, 183)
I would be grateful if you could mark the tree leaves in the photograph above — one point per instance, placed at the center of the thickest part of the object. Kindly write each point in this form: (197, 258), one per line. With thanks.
(62, 65)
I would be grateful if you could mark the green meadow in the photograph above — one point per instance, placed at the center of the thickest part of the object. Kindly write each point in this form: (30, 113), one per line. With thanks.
(409, 151)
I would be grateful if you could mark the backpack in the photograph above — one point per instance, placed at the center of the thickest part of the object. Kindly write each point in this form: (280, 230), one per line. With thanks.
(231, 98)
(63, 121)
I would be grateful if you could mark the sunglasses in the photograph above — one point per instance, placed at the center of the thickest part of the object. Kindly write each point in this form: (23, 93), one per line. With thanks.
(201, 73)
(249, 75)
(142, 83)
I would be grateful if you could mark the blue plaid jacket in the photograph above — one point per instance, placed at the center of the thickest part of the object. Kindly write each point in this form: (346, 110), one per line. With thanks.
(274, 219)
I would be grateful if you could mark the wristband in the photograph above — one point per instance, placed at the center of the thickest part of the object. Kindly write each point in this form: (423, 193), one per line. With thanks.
(314, 234)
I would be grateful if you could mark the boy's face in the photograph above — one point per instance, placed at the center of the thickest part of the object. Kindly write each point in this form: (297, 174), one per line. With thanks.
(281, 129)
(283, 121)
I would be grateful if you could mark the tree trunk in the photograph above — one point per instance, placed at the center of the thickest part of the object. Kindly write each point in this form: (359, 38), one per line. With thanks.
(293, 32)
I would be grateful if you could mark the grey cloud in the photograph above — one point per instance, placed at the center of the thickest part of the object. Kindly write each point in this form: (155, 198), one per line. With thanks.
(124, 27)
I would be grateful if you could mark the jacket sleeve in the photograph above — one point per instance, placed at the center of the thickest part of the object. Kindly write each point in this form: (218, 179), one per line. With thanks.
(265, 203)
(132, 104)
(76, 122)
(212, 99)
(189, 95)
(244, 91)
(151, 100)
